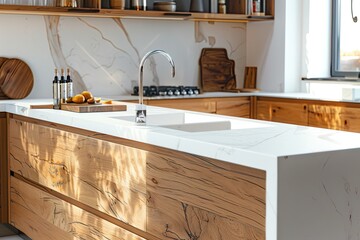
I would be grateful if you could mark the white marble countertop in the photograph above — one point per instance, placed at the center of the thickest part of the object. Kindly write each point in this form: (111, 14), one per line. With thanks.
(252, 143)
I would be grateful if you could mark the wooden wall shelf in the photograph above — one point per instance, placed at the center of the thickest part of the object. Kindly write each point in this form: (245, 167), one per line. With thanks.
(129, 14)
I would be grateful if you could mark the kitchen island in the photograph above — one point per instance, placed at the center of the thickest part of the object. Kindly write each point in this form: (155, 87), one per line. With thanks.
(248, 179)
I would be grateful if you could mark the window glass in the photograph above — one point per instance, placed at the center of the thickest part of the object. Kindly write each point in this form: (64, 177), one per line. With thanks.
(346, 38)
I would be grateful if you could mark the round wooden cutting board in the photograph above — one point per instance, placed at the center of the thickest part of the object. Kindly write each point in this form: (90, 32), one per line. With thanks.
(2, 60)
(17, 78)
(2, 95)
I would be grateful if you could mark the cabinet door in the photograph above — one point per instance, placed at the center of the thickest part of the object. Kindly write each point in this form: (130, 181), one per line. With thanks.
(42, 215)
(282, 111)
(3, 170)
(334, 117)
(101, 174)
(195, 104)
(204, 198)
(237, 107)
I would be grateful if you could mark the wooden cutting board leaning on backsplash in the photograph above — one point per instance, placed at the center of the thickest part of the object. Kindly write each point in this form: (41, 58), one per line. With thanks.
(217, 71)
(16, 78)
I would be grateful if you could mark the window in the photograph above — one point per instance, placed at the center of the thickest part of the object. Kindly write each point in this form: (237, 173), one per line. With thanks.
(345, 50)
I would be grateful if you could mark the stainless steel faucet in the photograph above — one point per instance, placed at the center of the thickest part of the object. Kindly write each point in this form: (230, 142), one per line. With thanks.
(141, 109)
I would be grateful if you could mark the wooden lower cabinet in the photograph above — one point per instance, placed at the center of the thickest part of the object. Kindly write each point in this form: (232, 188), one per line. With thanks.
(85, 185)
(230, 106)
(315, 113)
(4, 170)
(206, 105)
(282, 110)
(191, 197)
(337, 117)
(107, 176)
(236, 107)
(42, 215)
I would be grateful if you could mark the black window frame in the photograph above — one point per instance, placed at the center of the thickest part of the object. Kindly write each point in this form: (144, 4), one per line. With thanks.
(335, 43)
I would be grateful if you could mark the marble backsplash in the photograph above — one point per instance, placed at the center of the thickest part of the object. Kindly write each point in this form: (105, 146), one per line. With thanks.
(104, 53)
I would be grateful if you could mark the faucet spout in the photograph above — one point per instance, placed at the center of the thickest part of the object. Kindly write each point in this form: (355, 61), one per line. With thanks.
(141, 70)
(141, 110)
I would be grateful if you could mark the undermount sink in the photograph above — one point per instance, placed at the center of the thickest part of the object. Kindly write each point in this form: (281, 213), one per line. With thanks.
(192, 122)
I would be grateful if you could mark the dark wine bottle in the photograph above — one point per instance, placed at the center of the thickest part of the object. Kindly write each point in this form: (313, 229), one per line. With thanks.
(56, 91)
(69, 84)
(63, 88)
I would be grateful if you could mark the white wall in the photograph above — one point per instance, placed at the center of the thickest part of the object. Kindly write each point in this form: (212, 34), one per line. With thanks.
(296, 44)
(293, 45)
(317, 38)
(104, 54)
(277, 50)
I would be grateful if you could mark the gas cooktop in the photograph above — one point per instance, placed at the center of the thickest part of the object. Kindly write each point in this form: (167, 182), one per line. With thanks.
(152, 91)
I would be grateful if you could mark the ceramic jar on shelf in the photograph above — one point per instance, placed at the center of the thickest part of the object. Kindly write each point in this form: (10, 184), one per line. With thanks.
(117, 4)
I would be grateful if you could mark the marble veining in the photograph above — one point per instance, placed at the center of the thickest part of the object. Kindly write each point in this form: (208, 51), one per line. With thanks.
(53, 36)
(104, 57)
(326, 191)
(104, 53)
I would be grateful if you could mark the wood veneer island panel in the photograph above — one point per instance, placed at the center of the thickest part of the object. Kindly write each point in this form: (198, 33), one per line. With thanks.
(3, 169)
(145, 191)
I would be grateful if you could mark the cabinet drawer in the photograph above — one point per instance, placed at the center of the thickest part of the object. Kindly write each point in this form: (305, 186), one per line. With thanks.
(43, 216)
(285, 112)
(334, 117)
(207, 198)
(236, 107)
(196, 104)
(106, 176)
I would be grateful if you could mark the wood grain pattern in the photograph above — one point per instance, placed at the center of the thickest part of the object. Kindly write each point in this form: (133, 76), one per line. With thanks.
(250, 77)
(43, 216)
(189, 196)
(4, 170)
(85, 107)
(237, 107)
(172, 219)
(216, 70)
(17, 78)
(270, 7)
(2, 60)
(284, 112)
(334, 117)
(100, 174)
(2, 94)
(232, 192)
(199, 105)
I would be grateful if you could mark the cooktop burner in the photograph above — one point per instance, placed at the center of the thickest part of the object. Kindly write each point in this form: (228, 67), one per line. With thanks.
(152, 91)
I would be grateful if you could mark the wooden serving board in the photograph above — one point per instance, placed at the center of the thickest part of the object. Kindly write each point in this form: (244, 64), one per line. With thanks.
(250, 77)
(85, 107)
(217, 70)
